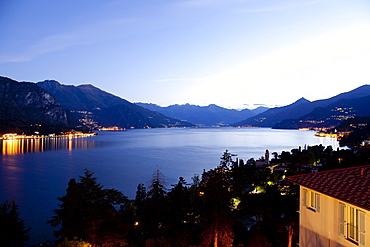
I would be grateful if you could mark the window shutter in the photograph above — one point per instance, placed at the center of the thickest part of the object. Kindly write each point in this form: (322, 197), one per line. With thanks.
(305, 195)
(317, 206)
(312, 199)
(342, 222)
(361, 228)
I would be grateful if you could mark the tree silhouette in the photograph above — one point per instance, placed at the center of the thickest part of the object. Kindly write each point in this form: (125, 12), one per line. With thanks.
(89, 213)
(182, 216)
(218, 230)
(71, 214)
(141, 195)
(140, 200)
(258, 238)
(156, 207)
(180, 204)
(13, 231)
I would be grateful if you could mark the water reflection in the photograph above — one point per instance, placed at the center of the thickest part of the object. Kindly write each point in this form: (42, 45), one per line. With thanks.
(18, 146)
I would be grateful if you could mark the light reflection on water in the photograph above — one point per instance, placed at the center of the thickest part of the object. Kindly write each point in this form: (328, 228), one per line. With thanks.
(11, 177)
(18, 146)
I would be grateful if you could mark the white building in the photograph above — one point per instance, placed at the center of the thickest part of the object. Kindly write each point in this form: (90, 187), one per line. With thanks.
(334, 207)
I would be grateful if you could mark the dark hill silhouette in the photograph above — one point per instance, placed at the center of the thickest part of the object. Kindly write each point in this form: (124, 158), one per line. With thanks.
(331, 115)
(289, 116)
(274, 115)
(83, 97)
(106, 109)
(26, 108)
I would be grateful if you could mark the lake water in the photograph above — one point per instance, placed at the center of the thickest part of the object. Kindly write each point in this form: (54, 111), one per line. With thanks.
(35, 172)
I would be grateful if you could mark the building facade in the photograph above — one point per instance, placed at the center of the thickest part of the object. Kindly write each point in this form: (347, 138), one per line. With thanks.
(334, 207)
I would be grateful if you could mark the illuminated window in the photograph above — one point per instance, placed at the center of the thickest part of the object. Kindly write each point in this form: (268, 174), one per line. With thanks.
(352, 224)
(311, 200)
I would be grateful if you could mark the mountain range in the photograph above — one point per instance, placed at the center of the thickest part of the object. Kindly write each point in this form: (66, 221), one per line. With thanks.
(50, 107)
(26, 106)
(324, 113)
(211, 115)
(98, 108)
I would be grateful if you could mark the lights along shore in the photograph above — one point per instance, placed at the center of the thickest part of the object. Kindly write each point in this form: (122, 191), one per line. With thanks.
(14, 136)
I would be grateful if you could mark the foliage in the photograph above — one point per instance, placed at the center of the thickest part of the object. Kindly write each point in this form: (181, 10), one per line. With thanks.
(89, 213)
(180, 204)
(73, 243)
(218, 222)
(184, 213)
(156, 207)
(13, 231)
(259, 239)
(157, 242)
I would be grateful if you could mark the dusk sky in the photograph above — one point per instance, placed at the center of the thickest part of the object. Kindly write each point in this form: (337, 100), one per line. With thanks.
(233, 53)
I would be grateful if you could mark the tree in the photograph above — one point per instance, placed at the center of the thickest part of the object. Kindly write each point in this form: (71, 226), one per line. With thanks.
(258, 239)
(182, 220)
(141, 195)
(180, 203)
(156, 207)
(137, 233)
(226, 160)
(73, 243)
(157, 242)
(71, 214)
(218, 230)
(13, 231)
(89, 213)
(140, 200)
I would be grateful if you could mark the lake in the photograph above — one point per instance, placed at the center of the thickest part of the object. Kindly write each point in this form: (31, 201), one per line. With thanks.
(35, 172)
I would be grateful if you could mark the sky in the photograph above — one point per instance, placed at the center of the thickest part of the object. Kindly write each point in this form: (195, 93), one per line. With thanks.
(232, 53)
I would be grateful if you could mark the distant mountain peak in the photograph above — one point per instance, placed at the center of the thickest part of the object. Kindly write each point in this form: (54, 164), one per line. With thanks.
(214, 105)
(51, 83)
(91, 89)
(302, 100)
(25, 104)
(211, 115)
(87, 86)
(319, 113)
(106, 109)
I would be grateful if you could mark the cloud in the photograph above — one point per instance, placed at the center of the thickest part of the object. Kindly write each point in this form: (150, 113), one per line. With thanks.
(248, 6)
(206, 3)
(15, 59)
(281, 6)
(182, 79)
(98, 31)
(263, 105)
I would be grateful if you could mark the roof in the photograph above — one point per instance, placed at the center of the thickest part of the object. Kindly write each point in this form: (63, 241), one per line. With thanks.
(351, 185)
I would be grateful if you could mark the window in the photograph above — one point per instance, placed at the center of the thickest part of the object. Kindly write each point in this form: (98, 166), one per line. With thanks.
(342, 219)
(311, 200)
(352, 224)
